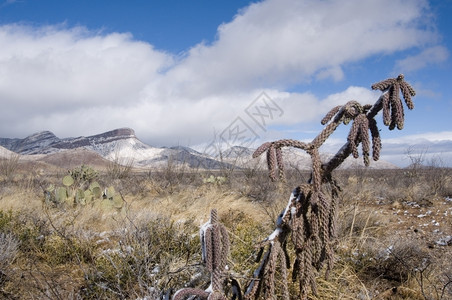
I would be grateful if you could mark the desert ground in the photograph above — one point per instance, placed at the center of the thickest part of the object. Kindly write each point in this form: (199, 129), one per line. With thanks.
(140, 238)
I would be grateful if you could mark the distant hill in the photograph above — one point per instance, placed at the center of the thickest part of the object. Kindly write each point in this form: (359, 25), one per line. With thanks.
(73, 158)
(122, 146)
(5, 153)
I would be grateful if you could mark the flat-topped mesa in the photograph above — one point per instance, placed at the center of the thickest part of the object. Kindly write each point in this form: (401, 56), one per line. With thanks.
(122, 133)
(98, 139)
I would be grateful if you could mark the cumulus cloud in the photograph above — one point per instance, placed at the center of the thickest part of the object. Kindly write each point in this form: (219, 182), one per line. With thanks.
(74, 81)
(432, 137)
(429, 56)
(74, 67)
(307, 107)
(284, 42)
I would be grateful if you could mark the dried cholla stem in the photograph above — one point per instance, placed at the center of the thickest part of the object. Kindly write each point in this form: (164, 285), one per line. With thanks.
(275, 157)
(310, 215)
(187, 292)
(215, 251)
(393, 114)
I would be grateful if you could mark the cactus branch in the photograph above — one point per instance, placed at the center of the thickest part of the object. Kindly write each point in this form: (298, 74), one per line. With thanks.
(215, 247)
(310, 215)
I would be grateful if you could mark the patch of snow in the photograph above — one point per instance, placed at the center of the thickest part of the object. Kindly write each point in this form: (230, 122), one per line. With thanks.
(385, 254)
(445, 241)
(274, 234)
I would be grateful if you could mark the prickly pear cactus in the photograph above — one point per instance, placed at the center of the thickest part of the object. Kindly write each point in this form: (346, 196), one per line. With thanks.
(83, 174)
(79, 188)
(217, 180)
(61, 195)
(68, 180)
(109, 193)
(80, 197)
(111, 199)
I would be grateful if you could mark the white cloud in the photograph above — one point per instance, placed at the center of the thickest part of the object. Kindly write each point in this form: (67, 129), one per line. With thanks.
(74, 81)
(72, 67)
(306, 107)
(432, 55)
(7, 2)
(287, 41)
(423, 137)
(54, 71)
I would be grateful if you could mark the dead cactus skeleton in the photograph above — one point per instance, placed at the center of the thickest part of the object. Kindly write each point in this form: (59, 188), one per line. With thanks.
(215, 251)
(309, 218)
(310, 215)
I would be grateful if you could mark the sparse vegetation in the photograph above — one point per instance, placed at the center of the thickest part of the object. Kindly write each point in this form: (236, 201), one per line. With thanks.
(392, 238)
(9, 164)
(119, 168)
(152, 247)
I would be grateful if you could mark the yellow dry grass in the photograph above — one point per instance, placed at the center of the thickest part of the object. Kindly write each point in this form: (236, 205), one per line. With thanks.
(367, 226)
(190, 204)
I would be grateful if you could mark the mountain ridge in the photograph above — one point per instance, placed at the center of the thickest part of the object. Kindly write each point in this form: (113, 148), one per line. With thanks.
(45, 142)
(119, 145)
(123, 146)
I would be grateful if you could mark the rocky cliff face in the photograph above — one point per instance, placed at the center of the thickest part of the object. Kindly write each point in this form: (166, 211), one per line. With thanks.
(98, 140)
(34, 144)
(46, 142)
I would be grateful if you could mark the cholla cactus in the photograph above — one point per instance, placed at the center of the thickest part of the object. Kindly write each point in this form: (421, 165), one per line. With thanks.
(310, 215)
(215, 251)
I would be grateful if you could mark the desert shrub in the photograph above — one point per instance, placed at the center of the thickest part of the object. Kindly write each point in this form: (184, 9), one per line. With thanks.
(245, 233)
(257, 188)
(6, 218)
(60, 250)
(28, 228)
(8, 250)
(174, 177)
(9, 165)
(400, 261)
(119, 168)
(146, 261)
(438, 178)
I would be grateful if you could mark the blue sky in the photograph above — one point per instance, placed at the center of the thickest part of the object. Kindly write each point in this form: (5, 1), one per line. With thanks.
(185, 72)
